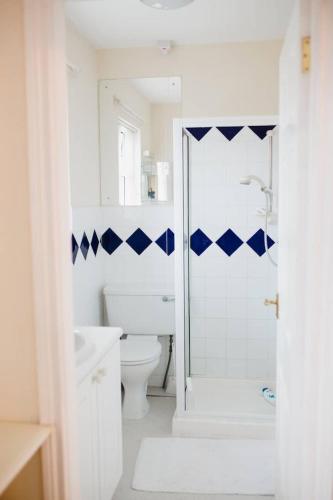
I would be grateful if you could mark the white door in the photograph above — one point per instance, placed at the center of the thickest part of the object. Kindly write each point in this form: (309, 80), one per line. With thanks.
(305, 336)
(89, 481)
(109, 423)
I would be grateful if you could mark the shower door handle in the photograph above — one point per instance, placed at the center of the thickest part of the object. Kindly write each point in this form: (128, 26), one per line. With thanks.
(274, 302)
(165, 298)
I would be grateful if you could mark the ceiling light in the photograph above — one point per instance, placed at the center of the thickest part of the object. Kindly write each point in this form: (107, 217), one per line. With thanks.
(166, 4)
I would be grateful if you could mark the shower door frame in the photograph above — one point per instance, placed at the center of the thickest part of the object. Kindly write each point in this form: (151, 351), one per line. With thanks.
(179, 176)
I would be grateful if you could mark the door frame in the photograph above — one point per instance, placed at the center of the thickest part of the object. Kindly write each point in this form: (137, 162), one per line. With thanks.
(50, 219)
(51, 229)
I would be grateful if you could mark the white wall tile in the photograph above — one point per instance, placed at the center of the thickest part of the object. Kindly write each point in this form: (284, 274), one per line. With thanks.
(237, 287)
(198, 366)
(236, 368)
(197, 326)
(197, 286)
(216, 287)
(261, 328)
(197, 307)
(237, 328)
(237, 348)
(257, 287)
(237, 308)
(216, 348)
(257, 370)
(215, 327)
(216, 367)
(257, 349)
(215, 308)
(198, 347)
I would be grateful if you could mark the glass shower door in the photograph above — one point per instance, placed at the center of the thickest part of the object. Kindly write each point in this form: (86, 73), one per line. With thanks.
(230, 336)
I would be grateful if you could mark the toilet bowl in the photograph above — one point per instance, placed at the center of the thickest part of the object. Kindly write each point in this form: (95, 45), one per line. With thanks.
(144, 316)
(139, 358)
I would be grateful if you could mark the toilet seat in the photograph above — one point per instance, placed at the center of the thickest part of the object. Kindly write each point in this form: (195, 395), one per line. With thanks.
(136, 352)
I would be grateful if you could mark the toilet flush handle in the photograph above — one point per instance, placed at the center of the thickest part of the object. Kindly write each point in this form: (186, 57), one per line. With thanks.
(167, 298)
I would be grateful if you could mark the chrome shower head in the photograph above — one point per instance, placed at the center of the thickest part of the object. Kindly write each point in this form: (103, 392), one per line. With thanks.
(247, 181)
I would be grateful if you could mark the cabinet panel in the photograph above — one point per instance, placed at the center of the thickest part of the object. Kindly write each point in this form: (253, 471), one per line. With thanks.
(88, 436)
(109, 418)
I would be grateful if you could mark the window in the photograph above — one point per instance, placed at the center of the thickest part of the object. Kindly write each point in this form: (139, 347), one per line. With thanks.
(129, 164)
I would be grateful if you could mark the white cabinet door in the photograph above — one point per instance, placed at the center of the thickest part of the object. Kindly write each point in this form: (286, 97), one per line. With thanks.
(109, 420)
(88, 438)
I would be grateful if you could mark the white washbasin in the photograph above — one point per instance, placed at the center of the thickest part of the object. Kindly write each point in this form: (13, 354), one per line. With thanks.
(84, 347)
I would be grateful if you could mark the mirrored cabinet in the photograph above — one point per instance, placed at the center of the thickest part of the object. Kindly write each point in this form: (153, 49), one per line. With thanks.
(136, 120)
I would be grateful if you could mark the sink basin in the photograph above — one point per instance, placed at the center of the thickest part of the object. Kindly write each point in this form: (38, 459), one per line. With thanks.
(84, 347)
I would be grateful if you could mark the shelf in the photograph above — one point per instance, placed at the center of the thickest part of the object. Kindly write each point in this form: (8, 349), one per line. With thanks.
(18, 443)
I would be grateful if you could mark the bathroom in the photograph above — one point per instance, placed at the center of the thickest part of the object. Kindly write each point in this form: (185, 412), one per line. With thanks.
(173, 339)
(138, 105)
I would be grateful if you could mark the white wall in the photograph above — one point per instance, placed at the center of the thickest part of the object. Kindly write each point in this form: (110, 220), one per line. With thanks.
(83, 121)
(88, 278)
(153, 269)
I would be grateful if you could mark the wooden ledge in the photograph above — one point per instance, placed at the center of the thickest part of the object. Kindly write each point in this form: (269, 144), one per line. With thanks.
(18, 443)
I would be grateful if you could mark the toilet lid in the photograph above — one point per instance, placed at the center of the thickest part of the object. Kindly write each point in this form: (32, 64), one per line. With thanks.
(136, 351)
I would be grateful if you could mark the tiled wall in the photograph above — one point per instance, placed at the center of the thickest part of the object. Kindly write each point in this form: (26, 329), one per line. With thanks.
(232, 332)
(127, 248)
(89, 269)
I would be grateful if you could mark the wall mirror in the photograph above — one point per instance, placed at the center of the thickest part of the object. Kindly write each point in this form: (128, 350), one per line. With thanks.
(136, 139)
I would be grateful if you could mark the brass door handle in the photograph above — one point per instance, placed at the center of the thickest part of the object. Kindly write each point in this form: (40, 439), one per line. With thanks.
(274, 302)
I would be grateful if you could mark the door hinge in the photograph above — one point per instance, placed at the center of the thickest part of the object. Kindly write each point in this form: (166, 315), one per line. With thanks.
(306, 54)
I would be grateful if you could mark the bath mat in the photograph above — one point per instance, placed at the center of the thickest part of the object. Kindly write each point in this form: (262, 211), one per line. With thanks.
(206, 466)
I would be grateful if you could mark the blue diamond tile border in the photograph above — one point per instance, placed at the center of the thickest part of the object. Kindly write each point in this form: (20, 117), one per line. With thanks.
(167, 242)
(75, 248)
(199, 132)
(199, 242)
(261, 130)
(229, 132)
(139, 241)
(84, 246)
(94, 243)
(257, 242)
(229, 242)
(110, 241)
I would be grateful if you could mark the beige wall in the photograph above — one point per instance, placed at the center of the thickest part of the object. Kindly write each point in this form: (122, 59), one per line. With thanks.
(228, 79)
(18, 384)
(218, 80)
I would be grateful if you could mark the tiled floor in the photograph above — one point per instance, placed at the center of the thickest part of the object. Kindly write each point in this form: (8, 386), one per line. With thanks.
(156, 423)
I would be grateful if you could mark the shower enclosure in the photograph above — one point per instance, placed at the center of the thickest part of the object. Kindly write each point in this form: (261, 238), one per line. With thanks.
(226, 335)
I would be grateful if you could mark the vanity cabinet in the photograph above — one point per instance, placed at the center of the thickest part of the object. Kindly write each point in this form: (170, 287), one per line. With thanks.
(100, 434)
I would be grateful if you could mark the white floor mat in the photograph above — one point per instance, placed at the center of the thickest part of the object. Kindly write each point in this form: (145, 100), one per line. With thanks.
(187, 465)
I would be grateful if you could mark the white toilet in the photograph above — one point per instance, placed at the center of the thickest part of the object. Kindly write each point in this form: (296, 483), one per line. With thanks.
(143, 316)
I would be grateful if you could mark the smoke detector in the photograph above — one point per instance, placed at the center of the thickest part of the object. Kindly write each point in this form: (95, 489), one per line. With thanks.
(164, 46)
(166, 4)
